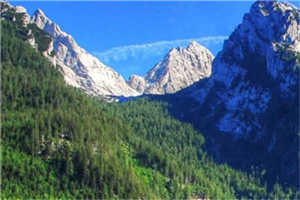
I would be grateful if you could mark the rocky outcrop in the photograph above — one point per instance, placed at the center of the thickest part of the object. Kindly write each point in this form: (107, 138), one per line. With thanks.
(253, 92)
(137, 82)
(20, 13)
(80, 68)
(25, 15)
(257, 65)
(180, 68)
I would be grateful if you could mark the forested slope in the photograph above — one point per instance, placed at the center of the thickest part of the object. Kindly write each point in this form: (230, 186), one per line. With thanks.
(58, 142)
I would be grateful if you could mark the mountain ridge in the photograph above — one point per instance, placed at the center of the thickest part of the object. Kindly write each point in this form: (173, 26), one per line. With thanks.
(83, 70)
(180, 68)
(80, 68)
(60, 143)
(252, 97)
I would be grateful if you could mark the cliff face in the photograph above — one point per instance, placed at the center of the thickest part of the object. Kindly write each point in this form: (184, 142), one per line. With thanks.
(80, 68)
(137, 82)
(179, 69)
(258, 65)
(253, 92)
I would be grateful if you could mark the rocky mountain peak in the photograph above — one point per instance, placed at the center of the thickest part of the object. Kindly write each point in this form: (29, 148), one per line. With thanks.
(282, 20)
(180, 68)
(80, 68)
(194, 46)
(270, 29)
(256, 70)
(40, 19)
(280, 17)
(39, 12)
(253, 92)
(20, 9)
(43, 22)
(25, 19)
(137, 82)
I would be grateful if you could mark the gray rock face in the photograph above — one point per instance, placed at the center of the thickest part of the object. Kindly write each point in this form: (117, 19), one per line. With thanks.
(179, 69)
(258, 65)
(259, 56)
(25, 17)
(137, 82)
(253, 92)
(19, 10)
(80, 68)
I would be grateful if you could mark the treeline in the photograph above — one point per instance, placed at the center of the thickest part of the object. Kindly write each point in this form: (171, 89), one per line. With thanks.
(58, 142)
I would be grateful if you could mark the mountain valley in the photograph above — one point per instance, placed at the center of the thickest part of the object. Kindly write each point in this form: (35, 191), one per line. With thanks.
(194, 127)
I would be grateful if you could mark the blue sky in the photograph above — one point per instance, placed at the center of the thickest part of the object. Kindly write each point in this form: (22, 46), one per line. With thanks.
(133, 36)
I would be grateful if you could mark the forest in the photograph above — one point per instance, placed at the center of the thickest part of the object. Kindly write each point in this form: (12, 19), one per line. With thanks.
(58, 142)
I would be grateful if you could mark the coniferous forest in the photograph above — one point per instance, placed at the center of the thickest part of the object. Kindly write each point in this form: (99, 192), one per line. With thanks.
(58, 142)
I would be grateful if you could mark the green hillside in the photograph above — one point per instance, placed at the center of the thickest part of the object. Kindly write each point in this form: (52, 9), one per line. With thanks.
(58, 142)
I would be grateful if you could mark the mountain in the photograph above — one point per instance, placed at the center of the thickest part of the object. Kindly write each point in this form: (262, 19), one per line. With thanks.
(58, 142)
(258, 65)
(80, 69)
(252, 95)
(180, 68)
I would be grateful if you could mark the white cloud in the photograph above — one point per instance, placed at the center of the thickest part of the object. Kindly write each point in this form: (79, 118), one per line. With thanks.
(143, 51)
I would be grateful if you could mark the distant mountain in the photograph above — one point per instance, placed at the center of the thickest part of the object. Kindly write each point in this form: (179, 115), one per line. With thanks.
(80, 69)
(58, 142)
(180, 68)
(253, 92)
